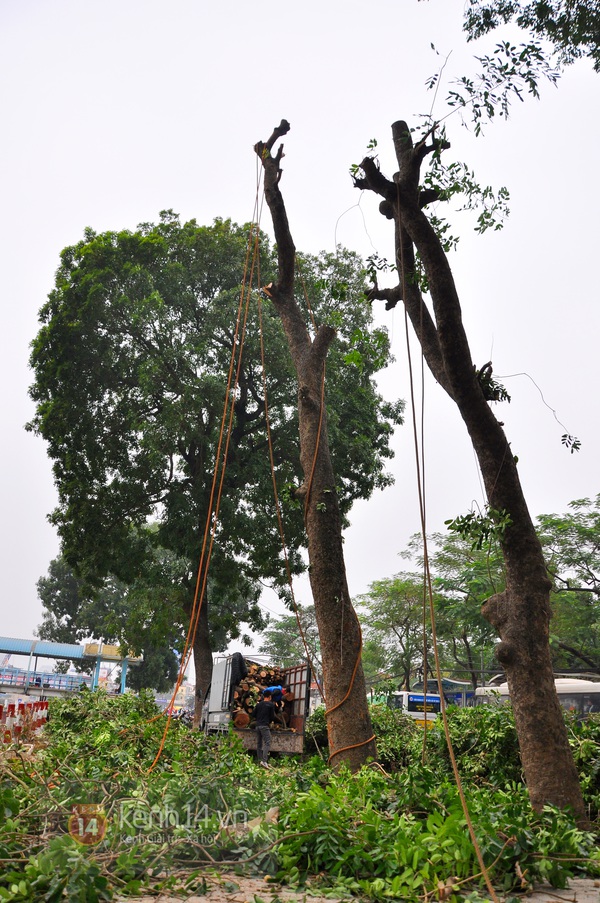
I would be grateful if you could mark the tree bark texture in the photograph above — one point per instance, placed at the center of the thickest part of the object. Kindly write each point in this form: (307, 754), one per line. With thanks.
(349, 725)
(521, 614)
(202, 653)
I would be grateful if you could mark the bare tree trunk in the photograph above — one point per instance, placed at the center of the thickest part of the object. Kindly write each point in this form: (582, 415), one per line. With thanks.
(202, 653)
(349, 725)
(521, 614)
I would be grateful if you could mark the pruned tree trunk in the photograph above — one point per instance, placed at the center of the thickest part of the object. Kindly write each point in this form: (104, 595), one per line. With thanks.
(521, 614)
(349, 725)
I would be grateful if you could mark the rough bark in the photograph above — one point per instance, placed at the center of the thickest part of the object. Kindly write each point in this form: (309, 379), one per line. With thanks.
(349, 726)
(202, 653)
(521, 614)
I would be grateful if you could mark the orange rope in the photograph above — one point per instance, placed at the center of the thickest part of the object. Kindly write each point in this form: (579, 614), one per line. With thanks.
(306, 298)
(306, 501)
(269, 436)
(348, 692)
(354, 746)
(317, 444)
(212, 516)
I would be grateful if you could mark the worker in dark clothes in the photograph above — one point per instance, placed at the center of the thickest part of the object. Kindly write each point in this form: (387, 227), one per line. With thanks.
(264, 714)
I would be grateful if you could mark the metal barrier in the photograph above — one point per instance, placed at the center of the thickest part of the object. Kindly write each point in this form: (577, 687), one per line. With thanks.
(21, 679)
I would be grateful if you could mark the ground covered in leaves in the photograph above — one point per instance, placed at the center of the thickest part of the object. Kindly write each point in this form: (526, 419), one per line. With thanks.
(85, 817)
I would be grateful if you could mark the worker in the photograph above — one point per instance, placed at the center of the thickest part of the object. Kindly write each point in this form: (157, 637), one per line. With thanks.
(276, 692)
(286, 705)
(264, 714)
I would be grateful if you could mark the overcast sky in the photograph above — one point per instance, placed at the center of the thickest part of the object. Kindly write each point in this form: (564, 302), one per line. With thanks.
(114, 111)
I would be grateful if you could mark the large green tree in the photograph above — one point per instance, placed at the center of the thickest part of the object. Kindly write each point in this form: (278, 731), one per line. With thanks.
(131, 365)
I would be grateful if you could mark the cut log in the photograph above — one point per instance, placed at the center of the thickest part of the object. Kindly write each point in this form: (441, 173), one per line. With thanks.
(241, 719)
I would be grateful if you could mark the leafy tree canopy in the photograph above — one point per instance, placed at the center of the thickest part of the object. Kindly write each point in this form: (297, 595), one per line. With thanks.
(130, 366)
(573, 28)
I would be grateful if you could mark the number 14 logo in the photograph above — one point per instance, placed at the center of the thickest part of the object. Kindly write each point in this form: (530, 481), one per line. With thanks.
(87, 824)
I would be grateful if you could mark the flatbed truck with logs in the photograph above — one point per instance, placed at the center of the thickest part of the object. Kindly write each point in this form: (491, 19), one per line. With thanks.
(236, 687)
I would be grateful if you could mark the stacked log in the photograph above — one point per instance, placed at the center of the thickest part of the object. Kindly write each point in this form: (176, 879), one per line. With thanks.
(247, 693)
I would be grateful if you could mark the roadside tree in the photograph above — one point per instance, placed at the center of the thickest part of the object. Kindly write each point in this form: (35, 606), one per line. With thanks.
(131, 365)
(520, 613)
(351, 738)
(117, 614)
(282, 639)
(465, 577)
(571, 544)
(393, 621)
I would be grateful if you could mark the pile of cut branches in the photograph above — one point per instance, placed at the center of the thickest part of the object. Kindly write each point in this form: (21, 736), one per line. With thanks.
(84, 818)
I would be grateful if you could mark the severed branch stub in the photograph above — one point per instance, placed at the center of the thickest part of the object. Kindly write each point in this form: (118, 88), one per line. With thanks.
(264, 148)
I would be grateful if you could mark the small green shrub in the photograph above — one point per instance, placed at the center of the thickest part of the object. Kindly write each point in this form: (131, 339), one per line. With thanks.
(395, 733)
(485, 744)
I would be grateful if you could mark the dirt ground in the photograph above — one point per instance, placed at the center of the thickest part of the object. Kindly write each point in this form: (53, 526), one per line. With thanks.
(580, 890)
(234, 889)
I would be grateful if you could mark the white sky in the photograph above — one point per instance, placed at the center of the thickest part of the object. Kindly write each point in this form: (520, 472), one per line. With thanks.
(113, 111)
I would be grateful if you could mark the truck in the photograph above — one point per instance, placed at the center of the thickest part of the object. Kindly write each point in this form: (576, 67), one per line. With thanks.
(223, 708)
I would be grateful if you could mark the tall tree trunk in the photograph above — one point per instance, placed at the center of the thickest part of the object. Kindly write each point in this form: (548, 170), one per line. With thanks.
(202, 653)
(348, 722)
(521, 614)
